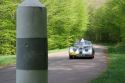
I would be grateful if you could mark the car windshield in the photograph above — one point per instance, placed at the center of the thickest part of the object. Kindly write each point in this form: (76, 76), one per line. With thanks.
(77, 44)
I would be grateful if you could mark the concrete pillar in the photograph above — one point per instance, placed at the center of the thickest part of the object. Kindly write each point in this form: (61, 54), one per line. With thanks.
(31, 44)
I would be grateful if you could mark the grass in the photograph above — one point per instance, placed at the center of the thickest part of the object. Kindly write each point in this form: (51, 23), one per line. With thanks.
(57, 50)
(8, 60)
(116, 67)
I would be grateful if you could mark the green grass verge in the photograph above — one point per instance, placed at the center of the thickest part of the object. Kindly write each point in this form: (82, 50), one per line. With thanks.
(58, 50)
(7, 60)
(116, 67)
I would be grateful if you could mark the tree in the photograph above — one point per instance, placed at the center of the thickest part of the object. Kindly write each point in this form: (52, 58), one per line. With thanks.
(108, 22)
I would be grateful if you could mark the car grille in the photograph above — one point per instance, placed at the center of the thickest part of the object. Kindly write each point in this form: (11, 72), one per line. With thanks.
(80, 52)
(86, 50)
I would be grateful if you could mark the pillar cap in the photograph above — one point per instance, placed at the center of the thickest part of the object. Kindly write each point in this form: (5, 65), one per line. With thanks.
(32, 3)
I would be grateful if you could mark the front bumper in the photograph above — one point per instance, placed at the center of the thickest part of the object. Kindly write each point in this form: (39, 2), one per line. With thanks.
(82, 55)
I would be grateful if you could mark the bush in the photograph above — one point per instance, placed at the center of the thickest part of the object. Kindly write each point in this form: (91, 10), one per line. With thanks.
(7, 42)
(7, 27)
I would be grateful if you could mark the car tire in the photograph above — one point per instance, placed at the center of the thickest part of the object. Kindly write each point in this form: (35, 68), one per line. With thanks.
(92, 57)
(71, 57)
(93, 52)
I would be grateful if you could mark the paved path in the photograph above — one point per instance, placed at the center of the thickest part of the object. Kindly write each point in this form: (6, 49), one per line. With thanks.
(63, 70)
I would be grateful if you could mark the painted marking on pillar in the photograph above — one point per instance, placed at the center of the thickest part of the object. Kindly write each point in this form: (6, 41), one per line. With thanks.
(32, 53)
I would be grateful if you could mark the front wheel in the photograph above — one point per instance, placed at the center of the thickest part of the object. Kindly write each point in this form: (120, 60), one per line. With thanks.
(92, 57)
(71, 57)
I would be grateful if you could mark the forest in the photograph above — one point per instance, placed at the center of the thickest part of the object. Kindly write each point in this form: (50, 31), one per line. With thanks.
(106, 24)
(68, 21)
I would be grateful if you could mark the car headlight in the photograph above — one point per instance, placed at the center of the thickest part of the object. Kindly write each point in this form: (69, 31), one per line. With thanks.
(77, 51)
(88, 50)
(73, 51)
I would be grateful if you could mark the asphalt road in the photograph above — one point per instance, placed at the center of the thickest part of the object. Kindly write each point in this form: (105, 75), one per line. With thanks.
(63, 70)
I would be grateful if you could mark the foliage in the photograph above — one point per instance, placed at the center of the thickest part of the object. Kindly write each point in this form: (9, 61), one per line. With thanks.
(67, 20)
(7, 26)
(107, 23)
